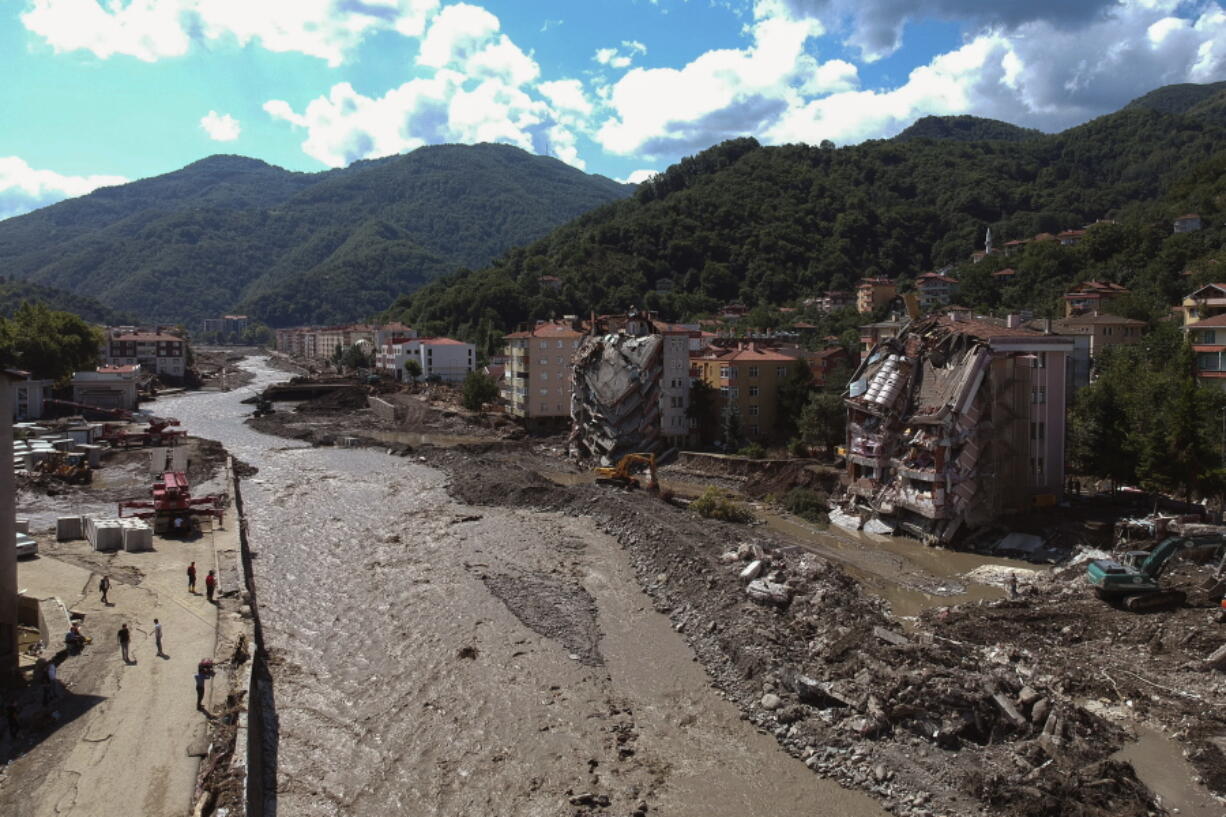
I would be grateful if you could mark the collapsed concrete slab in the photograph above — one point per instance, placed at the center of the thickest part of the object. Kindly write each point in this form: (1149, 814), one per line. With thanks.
(615, 402)
(955, 422)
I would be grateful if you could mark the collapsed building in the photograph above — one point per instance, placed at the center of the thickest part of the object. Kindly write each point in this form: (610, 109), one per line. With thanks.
(630, 388)
(955, 422)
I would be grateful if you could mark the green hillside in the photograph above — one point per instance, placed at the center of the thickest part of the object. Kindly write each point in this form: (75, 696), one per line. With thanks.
(229, 233)
(965, 129)
(771, 225)
(14, 293)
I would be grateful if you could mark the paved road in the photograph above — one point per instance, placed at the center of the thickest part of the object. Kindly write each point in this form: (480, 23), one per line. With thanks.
(117, 741)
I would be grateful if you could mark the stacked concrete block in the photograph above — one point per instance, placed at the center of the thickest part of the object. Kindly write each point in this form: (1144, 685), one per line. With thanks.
(68, 528)
(137, 535)
(104, 534)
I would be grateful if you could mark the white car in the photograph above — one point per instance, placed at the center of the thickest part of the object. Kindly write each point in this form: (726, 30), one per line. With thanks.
(26, 545)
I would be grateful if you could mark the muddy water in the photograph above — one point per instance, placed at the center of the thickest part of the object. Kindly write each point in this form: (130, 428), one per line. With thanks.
(1160, 765)
(404, 685)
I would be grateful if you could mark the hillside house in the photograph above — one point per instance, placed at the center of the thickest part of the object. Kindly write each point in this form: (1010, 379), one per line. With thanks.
(1092, 298)
(873, 293)
(1207, 337)
(1206, 302)
(935, 290)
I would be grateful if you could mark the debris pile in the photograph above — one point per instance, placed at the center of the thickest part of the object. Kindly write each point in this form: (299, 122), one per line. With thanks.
(615, 404)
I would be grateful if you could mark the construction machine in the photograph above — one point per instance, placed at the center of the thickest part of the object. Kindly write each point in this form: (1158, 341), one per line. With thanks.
(63, 467)
(1133, 582)
(622, 474)
(173, 509)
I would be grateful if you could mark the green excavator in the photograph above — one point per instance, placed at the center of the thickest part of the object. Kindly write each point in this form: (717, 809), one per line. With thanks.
(1133, 583)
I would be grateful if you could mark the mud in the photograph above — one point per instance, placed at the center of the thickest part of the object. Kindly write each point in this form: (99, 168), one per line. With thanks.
(561, 611)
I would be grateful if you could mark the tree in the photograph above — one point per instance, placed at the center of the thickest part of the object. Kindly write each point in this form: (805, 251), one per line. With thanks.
(794, 394)
(479, 389)
(730, 427)
(412, 367)
(338, 357)
(47, 343)
(355, 358)
(703, 409)
(823, 422)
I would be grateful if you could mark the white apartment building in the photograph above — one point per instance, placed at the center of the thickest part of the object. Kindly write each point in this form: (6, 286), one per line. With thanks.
(447, 359)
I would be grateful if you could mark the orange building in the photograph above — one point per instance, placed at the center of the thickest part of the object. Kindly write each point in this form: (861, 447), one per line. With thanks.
(748, 377)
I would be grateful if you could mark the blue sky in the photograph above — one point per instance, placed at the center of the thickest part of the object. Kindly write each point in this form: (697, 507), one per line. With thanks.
(101, 92)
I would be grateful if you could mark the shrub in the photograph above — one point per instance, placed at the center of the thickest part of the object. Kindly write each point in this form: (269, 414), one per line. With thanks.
(714, 505)
(806, 504)
(754, 451)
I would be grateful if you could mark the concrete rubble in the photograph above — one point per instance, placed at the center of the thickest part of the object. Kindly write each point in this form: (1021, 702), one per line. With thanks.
(947, 429)
(615, 405)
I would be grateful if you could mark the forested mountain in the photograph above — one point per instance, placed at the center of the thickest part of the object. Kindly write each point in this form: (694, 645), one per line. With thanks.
(229, 233)
(771, 225)
(965, 129)
(14, 293)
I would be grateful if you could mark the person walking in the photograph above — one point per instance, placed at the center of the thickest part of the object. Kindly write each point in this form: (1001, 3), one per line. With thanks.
(50, 682)
(191, 578)
(157, 636)
(104, 584)
(210, 585)
(200, 679)
(125, 637)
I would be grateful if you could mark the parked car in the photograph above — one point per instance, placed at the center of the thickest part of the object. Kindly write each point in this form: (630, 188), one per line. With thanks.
(26, 545)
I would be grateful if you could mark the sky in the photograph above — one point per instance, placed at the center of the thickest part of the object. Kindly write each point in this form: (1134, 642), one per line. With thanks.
(99, 92)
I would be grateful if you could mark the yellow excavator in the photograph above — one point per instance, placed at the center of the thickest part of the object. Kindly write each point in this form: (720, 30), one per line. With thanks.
(57, 465)
(622, 474)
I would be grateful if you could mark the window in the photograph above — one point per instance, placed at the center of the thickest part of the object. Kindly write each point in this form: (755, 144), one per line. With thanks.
(723, 392)
(1037, 465)
(561, 361)
(1038, 431)
(1209, 361)
(726, 371)
(544, 375)
(734, 392)
(753, 391)
(1107, 331)
(1039, 361)
(544, 393)
(561, 344)
(543, 362)
(1208, 336)
(753, 430)
(1038, 395)
(544, 408)
(753, 410)
(544, 344)
(781, 371)
(753, 371)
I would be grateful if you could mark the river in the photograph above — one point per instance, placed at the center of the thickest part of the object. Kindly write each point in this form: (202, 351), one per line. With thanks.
(433, 658)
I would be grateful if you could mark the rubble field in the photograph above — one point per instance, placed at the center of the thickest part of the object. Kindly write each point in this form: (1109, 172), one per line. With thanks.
(1013, 707)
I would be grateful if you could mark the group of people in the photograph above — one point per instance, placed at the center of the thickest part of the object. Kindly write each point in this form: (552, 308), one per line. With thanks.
(210, 581)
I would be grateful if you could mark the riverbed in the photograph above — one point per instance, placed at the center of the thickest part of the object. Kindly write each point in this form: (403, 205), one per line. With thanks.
(430, 657)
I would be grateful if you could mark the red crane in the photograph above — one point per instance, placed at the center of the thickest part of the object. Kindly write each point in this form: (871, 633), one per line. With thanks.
(173, 508)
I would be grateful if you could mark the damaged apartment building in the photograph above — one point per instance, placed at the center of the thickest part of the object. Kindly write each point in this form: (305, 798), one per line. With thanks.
(630, 387)
(955, 422)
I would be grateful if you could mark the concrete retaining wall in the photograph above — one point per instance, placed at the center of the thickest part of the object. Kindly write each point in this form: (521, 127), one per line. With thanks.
(256, 736)
(388, 412)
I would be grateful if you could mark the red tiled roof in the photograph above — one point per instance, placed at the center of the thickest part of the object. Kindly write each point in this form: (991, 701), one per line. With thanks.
(747, 354)
(930, 277)
(438, 341)
(1187, 215)
(1004, 273)
(117, 369)
(1208, 323)
(1044, 237)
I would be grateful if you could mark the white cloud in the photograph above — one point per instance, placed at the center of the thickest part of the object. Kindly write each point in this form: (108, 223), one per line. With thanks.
(479, 87)
(620, 57)
(154, 29)
(638, 176)
(721, 94)
(22, 188)
(220, 127)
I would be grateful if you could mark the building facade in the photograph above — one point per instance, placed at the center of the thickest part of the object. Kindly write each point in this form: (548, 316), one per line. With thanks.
(444, 359)
(935, 290)
(1092, 297)
(155, 352)
(28, 397)
(8, 531)
(108, 387)
(873, 293)
(747, 377)
(537, 380)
